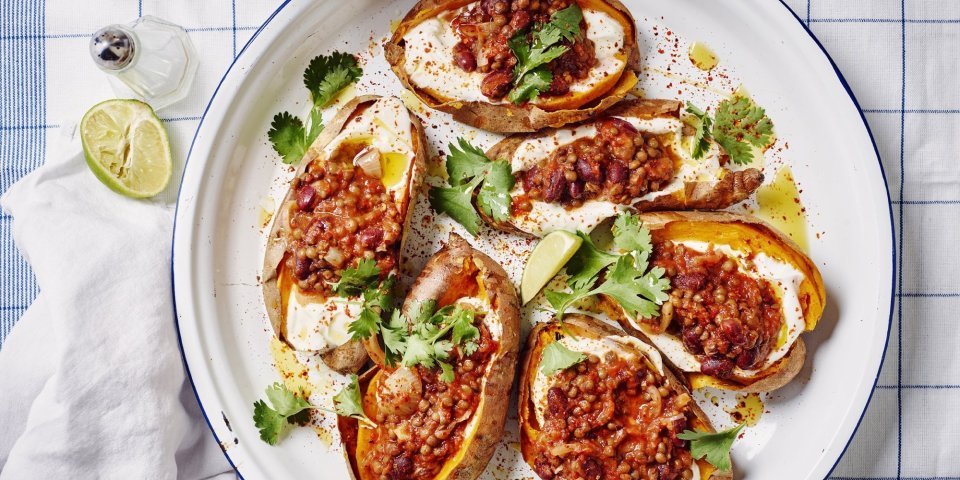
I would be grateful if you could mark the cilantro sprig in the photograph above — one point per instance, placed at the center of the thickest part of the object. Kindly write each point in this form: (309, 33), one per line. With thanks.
(702, 136)
(627, 278)
(428, 336)
(273, 420)
(738, 126)
(324, 77)
(468, 168)
(348, 403)
(538, 47)
(714, 446)
(556, 357)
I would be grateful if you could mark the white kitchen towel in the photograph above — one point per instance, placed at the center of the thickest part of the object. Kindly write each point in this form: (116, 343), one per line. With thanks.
(92, 379)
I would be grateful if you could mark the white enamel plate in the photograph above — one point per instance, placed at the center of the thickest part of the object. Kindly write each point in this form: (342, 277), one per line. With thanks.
(232, 175)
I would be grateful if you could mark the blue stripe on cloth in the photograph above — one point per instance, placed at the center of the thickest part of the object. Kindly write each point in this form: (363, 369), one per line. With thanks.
(903, 173)
(22, 102)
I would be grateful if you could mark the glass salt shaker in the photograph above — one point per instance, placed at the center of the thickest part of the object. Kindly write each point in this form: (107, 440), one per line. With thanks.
(154, 58)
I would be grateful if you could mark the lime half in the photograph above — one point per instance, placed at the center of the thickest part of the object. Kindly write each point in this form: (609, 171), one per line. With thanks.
(547, 258)
(126, 146)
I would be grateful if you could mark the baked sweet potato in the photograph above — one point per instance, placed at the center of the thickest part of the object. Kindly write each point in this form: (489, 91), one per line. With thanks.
(631, 158)
(435, 421)
(617, 411)
(458, 56)
(741, 293)
(350, 202)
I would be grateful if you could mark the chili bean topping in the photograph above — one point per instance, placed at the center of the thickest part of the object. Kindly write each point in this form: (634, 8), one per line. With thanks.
(341, 215)
(614, 419)
(485, 30)
(416, 446)
(725, 317)
(618, 164)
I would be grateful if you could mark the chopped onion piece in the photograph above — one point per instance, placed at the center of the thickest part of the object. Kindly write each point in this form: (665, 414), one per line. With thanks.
(369, 160)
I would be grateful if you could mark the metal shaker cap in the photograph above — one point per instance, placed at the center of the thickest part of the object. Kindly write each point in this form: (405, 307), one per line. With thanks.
(112, 47)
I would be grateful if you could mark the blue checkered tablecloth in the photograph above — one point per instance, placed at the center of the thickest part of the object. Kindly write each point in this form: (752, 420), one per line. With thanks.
(901, 58)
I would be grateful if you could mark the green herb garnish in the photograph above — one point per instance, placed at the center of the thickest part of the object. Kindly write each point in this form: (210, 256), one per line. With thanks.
(557, 357)
(324, 77)
(535, 49)
(714, 446)
(468, 167)
(638, 289)
(272, 422)
(741, 124)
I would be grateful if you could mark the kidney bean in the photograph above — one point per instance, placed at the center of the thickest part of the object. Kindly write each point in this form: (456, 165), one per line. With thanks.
(306, 197)
(530, 178)
(520, 20)
(732, 331)
(592, 469)
(402, 467)
(588, 171)
(665, 472)
(555, 186)
(692, 341)
(617, 172)
(464, 58)
(556, 401)
(575, 189)
(689, 281)
(747, 358)
(716, 366)
(302, 268)
(496, 84)
(370, 237)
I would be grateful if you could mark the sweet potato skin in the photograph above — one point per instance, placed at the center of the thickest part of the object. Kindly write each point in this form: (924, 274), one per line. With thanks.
(432, 283)
(750, 232)
(589, 327)
(507, 117)
(351, 356)
(733, 187)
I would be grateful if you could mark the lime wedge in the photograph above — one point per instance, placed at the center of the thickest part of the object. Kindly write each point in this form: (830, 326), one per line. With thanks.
(126, 147)
(547, 258)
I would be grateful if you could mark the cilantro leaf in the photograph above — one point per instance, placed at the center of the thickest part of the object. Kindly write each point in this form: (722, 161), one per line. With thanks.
(316, 126)
(702, 137)
(557, 357)
(561, 301)
(288, 137)
(284, 401)
(467, 168)
(631, 236)
(531, 85)
(584, 266)
(447, 372)
(464, 333)
(348, 403)
(739, 124)
(420, 351)
(327, 75)
(273, 421)
(714, 446)
(394, 337)
(268, 421)
(456, 202)
(494, 197)
(466, 162)
(638, 293)
(377, 301)
(353, 281)
(564, 25)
